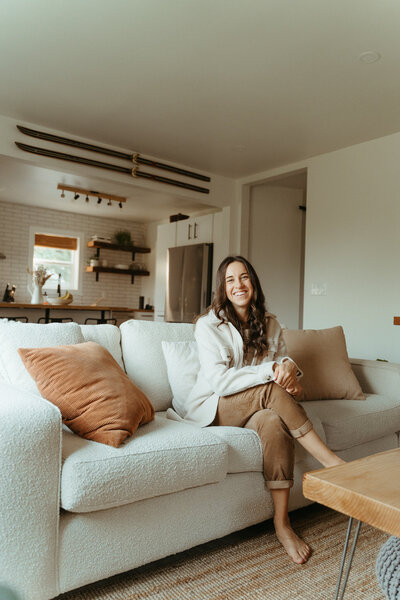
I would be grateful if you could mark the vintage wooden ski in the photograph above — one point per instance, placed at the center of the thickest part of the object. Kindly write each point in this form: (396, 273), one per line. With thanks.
(137, 158)
(134, 172)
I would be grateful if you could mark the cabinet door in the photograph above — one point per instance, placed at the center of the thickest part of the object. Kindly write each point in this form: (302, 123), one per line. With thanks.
(197, 230)
(166, 238)
(143, 316)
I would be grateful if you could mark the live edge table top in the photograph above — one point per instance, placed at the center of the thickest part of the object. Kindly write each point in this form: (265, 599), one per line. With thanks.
(367, 489)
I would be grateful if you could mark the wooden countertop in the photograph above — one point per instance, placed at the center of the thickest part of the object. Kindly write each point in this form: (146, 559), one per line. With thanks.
(72, 307)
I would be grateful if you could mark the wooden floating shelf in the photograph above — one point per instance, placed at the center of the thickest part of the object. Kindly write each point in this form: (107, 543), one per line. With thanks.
(130, 272)
(106, 246)
(115, 270)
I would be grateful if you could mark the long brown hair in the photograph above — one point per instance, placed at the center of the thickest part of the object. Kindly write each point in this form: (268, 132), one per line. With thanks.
(255, 337)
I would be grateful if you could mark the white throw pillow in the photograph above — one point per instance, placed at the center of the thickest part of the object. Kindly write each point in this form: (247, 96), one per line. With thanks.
(14, 335)
(182, 367)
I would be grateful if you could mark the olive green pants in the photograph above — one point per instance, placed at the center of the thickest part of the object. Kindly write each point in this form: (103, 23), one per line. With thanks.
(277, 418)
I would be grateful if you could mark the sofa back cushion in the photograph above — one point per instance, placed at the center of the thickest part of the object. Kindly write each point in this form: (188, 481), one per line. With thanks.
(14, 335)
(144, 358)
(107, 336)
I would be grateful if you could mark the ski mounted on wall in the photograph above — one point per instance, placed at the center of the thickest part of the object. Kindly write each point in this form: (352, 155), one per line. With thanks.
(135, 158)
(110, 167)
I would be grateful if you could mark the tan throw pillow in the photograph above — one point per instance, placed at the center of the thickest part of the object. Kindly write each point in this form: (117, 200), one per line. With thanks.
(96, 398)
(322, 356)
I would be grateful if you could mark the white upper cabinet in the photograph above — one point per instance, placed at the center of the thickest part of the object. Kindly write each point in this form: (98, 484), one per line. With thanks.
(196, 230)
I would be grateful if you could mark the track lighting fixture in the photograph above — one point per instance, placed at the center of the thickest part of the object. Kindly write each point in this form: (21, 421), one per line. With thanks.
(77, 192)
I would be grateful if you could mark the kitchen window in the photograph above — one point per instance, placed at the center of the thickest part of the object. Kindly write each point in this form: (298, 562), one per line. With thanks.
(60, 255)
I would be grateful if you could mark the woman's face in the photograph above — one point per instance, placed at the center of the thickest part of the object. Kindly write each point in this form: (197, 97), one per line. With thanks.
(238, 287)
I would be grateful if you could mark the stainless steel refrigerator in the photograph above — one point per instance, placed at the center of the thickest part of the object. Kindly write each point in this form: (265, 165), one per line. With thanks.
(189, 278)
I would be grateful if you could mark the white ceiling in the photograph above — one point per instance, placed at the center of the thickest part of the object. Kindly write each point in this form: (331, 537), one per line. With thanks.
(232, 87)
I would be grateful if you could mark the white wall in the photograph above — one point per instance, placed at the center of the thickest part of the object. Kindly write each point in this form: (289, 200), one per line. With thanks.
(353, 243)
(275, 248)
(15, 220)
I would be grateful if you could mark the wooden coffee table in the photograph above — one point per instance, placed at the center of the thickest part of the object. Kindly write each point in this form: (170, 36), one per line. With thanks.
(367, 489)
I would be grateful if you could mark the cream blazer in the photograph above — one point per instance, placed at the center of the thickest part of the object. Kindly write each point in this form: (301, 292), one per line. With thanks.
(222, 373)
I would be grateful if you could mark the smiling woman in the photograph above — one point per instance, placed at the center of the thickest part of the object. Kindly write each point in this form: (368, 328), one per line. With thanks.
(246, 379)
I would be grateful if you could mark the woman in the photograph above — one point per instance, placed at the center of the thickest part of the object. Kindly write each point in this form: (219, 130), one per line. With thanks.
(246, 380)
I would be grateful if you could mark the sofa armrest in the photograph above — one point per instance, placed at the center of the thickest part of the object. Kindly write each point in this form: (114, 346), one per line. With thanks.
(30, 459)
(377, 377)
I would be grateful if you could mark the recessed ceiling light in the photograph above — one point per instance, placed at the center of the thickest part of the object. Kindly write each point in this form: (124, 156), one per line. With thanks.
(369, 57)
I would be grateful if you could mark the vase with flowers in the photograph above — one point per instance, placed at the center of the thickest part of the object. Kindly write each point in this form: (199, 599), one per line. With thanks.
(39, 278)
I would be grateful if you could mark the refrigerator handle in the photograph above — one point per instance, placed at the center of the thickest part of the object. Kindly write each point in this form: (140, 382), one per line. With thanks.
(195, 231)
(189, 228)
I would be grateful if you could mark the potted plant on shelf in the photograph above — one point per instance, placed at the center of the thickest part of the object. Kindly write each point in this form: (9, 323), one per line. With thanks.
(123, 238)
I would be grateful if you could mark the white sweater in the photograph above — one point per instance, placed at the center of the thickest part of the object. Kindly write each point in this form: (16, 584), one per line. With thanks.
(222, 372)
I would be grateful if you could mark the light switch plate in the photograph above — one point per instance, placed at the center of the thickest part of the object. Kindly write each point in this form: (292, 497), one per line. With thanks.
(318, 289)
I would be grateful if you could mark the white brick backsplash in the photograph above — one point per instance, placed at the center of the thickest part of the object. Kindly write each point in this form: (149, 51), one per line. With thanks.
(15, 221)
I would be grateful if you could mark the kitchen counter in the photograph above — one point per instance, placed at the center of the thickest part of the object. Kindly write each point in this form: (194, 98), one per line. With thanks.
(47, 308)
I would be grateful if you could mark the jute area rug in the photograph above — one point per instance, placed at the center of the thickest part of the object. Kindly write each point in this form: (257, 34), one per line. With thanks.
(251, 565)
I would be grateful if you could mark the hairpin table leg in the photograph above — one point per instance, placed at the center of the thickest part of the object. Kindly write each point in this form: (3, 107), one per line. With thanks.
(346, 545)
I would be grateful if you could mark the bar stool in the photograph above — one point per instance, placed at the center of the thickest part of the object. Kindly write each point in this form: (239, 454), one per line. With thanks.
(55, 320)
(23, 319)
(101, 321)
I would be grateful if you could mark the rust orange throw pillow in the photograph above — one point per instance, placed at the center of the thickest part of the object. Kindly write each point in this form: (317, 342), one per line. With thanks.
(96, 398)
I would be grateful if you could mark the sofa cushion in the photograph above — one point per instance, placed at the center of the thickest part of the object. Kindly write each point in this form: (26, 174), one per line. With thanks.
(322, 356)
(244, 448)
(108, 336)
(144, 358)
(14, 335)
(96, 398)
(163, 457)
(349, 423)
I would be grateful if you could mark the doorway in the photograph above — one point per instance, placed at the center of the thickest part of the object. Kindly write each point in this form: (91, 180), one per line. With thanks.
(277, 218)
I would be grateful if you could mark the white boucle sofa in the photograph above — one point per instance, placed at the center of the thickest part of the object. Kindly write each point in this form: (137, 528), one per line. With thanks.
(73, 511)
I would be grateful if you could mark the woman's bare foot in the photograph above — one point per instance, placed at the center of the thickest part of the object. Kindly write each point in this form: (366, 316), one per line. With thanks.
(298, 550)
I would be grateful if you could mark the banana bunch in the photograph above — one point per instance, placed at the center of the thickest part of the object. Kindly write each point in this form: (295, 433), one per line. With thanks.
(67, 297)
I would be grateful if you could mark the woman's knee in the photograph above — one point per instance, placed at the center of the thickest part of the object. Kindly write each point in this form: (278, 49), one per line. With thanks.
(267, 423)
(278, 391)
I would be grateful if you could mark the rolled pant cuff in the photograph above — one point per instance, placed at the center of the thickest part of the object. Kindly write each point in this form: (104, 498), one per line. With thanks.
(277, 485)
(296, 433)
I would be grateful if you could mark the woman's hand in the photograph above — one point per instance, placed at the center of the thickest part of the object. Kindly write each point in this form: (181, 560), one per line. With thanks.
(285, 376)
(295, 390)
